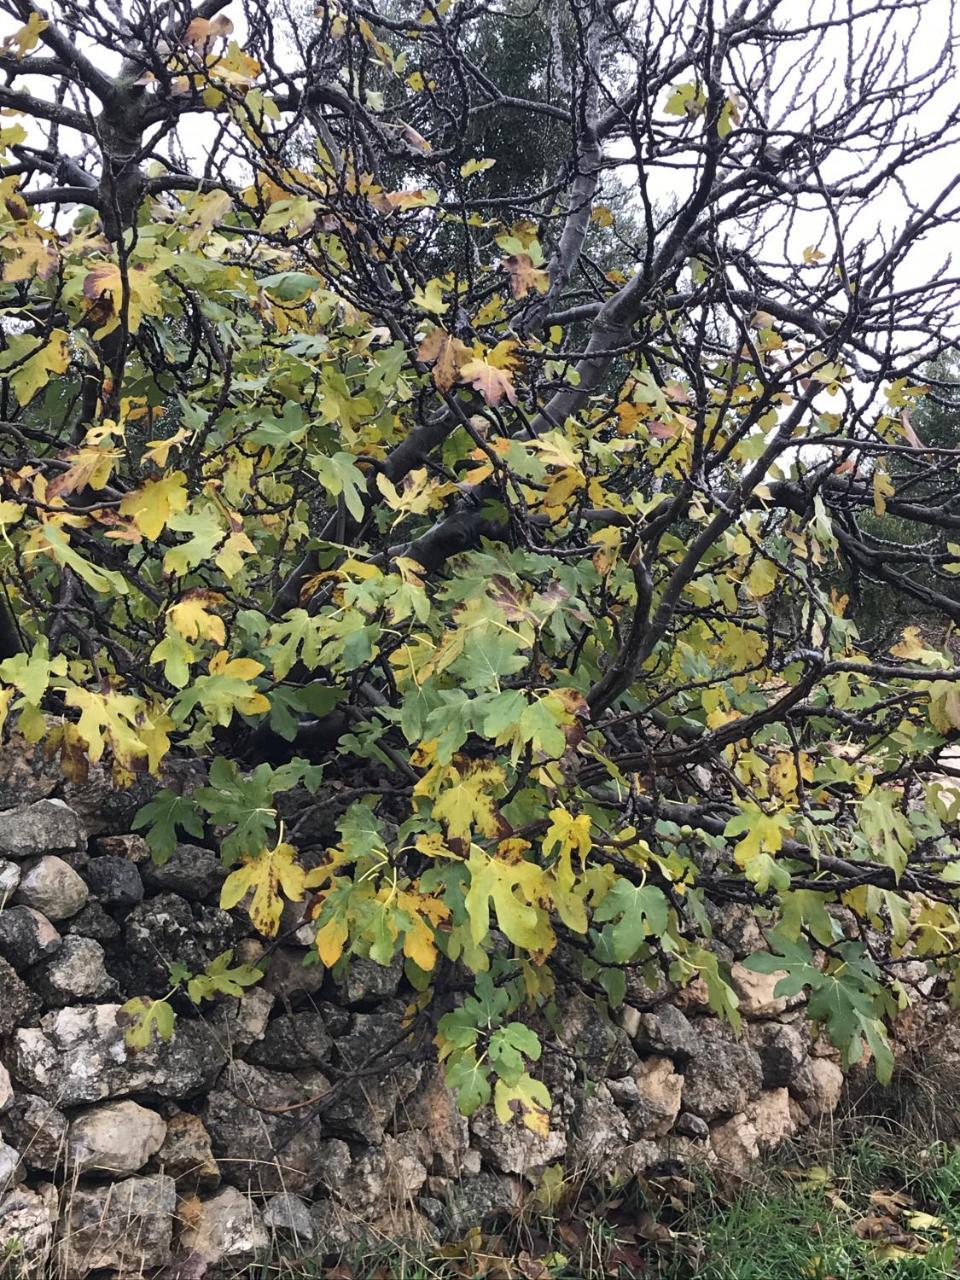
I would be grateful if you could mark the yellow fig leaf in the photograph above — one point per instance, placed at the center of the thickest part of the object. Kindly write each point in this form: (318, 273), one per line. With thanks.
(152, 506)
(268, 875)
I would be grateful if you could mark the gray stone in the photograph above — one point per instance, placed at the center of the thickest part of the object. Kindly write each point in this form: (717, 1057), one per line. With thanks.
(27, 1222)
(93, 922)
(366, 1106)
(18, 1004)
(113, 881)
(782, 1048)
(247, 1020)
(335, 1228)
(123, 1226)
(191, 871)
(691, 1126)
(724, 1074)
(288, 1218)
(378, 1177)
(10, 1169)
(292, 1041)
(166, 930)
(6, 1090)
(52, 886)
(75, 972)
(9, 879)
(117, 1138)
(666, 1031)
(78, 1055)
(480, 1201)
(226, 1232)
(371, 1035)
(186, 1154)
(38, 1130)
(256, 1143)
(26, 937)
(289, 978)
(48, 826)
(365, 980)
(600, 1048)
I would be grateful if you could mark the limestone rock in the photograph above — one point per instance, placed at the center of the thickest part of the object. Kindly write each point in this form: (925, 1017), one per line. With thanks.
(292, 1041)
(433, 1115)
(650, 1095)
(756, 992)
(382, 1175)
(479, 1201)
(600, 1047)
(51, 886)
(723, 1076)
(771, 1117)
(734, 1144)
(365, 980)
(600, 1131)
(126, 1226)
(75, 972)
(365, 1107)
(134, 848)
(248, 1018)
(269, 1151)
(48, 826)
(287, 1218)
(782, 1047)
(93, 922)
(6, 1090)
(289, 978)
(191, 871)
(165, 930)
(513, 1148)
(26, 937)
(9, 879)
(335, 1228)
(38, 1129)
(226, 1231)
(819, 1086)
(117, 1138)
(666, 1031)
(114, 881)
(27, 1222)
(18, 1004)
(10, 1168)
(78, 1055)
(186, 1154)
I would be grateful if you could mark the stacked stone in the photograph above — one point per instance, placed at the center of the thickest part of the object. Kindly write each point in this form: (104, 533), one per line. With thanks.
(257, 1131)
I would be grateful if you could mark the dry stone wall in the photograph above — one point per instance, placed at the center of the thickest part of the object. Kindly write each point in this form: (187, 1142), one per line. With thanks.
(265, 1125)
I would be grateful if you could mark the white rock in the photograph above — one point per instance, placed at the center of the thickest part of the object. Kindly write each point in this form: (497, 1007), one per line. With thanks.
(756, 992)
(735, 1144)
(52, 887)
(6, 1089)
(125, 1227)
(226, 1230)
(27, 1221)
(9, 1167)
(770, 1115)
(118, 1138)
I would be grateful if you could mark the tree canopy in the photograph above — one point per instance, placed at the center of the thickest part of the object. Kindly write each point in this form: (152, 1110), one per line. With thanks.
(488, 531)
